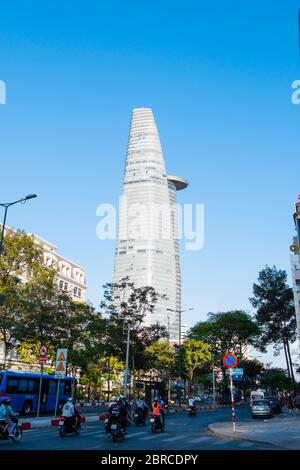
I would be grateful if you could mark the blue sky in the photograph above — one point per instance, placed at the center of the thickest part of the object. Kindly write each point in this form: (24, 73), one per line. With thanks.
(218, 77)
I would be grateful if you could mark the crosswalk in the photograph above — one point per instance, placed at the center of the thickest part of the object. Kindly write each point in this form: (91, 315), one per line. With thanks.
(93, 437)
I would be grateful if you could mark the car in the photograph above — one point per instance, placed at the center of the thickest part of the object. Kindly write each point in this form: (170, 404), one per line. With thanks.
(275, 404)
(262, 409)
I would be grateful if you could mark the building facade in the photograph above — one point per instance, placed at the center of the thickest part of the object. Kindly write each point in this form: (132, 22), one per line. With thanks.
(147, 246)
(295, 267)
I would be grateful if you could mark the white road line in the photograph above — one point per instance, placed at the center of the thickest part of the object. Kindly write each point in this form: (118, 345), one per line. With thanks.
(175, 438)
(148, 438)
(200, 439)
(136, 434)
(247, 444)
(220, 443)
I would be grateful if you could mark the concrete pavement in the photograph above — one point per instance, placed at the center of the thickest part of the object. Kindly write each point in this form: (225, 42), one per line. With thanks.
(281, 431)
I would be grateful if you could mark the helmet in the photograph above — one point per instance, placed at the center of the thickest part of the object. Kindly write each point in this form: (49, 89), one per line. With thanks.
(7, 399)
(114, 398)
(71, 399)
(156, 398)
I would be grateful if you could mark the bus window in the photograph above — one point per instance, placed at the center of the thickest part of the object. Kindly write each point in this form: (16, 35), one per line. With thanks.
(52, 387)
(12, 385)
(23, 384)
(68, 387)
(1, 377)
(32, 386)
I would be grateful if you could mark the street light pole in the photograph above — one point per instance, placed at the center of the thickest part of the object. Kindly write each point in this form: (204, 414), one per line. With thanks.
(214, 380)
(6, 205)
(127, 361)
(179, 344)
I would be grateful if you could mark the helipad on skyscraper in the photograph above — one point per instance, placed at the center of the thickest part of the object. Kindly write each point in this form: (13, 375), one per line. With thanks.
(147, 248)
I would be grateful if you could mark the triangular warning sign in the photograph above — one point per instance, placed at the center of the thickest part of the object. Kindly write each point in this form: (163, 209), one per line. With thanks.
(61, 357)
(60, 366)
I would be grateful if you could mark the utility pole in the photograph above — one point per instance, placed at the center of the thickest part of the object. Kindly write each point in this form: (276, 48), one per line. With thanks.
(126, 374)
(214, 380)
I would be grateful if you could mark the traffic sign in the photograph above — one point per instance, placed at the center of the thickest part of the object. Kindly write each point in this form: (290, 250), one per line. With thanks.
(230, 360)
(61, 363)
(43, 350)
(236, 372)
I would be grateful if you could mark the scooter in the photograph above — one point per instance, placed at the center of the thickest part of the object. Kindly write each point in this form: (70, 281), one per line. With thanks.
(16, 434)
(66, 426)
(192, 411)
(156, 424)
(139, 417)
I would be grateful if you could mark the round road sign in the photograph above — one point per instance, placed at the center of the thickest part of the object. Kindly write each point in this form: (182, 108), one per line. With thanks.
(230, 360)
(43, 350)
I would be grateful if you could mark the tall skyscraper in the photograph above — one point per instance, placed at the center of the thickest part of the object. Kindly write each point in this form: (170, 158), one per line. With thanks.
(147, 248)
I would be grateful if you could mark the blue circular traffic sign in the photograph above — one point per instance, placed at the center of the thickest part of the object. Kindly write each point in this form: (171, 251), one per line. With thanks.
(230, 360)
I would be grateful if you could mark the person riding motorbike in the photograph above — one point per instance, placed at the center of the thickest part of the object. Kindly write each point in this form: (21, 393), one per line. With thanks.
(157, 411)
(70, 411)
(192, 405)
(3, 417)
(118, 405)
(9, 416)
(142, 407)
(163, 409)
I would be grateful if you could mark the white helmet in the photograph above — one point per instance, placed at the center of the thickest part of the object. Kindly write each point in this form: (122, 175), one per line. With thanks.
(113, 398)
(71, 399)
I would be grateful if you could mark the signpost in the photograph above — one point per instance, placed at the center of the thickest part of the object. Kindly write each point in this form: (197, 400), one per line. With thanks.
(42, 360)
(60, 370)
(230, 361)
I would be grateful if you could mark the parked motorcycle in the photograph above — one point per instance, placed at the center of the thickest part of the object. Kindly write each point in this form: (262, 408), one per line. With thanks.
(192, 411)
(139, 417)
(156, 424)
(16, 432)
(67, 426)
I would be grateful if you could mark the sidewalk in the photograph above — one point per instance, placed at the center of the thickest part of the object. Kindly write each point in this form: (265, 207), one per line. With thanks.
(283, 431)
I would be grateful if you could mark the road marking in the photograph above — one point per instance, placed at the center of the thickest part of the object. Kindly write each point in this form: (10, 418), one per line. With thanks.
(220, 443)
(175, 438)
(153, 436)
(136, 434)
(200, 439)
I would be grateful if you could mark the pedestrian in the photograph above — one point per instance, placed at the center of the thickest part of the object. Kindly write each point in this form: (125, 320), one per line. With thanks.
(291, 404)
(297, 403)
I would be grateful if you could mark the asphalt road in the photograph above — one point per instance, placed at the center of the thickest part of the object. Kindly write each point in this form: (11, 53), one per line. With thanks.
(181, 433)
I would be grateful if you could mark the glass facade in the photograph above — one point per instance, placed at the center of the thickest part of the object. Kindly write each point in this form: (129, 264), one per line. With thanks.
(147, 248)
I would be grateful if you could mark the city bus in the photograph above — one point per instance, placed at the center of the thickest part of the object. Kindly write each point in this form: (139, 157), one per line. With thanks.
(23, 389)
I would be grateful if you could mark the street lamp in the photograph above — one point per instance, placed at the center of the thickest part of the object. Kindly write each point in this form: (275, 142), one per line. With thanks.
(179, 338)
(6, 206)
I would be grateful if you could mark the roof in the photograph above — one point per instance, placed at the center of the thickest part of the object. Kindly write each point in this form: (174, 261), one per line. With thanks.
(180, 183)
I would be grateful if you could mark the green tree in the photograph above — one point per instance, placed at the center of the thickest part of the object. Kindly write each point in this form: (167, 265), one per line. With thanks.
(161, 357)
(21, 258)
(195, 354)
(275, 315)
(227, 332)
(276, 379)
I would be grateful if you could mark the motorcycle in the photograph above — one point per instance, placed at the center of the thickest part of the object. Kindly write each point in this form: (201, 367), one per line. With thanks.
(156, 424)
(139, 417)
(192, 411)
(113, 427)
(66, 426)
(16, 432)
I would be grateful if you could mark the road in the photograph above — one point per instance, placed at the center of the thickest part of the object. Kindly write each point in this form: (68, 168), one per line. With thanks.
(182, 433)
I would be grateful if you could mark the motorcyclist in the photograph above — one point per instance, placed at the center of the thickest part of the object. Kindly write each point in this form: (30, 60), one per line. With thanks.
(141, 406)
(10, 415)
(70, 411)
(162, 409)
(192, 404)
(118, 405)
(156, 410)
(3, 416)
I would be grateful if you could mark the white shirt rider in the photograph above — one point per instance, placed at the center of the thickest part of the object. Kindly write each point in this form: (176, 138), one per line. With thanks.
(191, 402)
(68, 410)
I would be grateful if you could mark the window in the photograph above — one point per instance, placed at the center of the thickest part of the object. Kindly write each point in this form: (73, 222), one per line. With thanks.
(79, 292)
(68, 388)
(12, 385)
(65, 286)
(61, 284)
(52, 387)
(32, 386)
(23, 384)
(75, 290)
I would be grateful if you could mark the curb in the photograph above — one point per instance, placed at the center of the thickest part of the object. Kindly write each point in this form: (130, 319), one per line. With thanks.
(232, 437)
(53, 422)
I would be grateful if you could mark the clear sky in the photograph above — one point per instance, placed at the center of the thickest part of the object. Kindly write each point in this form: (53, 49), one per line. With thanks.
(218, 77)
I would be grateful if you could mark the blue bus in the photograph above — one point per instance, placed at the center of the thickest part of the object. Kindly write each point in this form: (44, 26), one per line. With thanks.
(23, 389)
